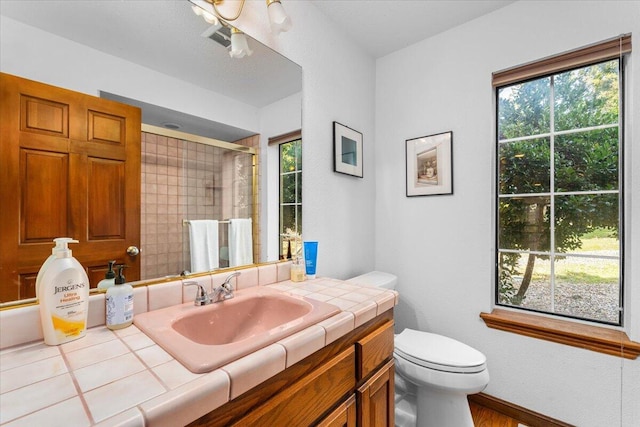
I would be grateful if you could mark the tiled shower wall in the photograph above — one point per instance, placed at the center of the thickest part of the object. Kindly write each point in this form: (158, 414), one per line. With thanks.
(187, 180)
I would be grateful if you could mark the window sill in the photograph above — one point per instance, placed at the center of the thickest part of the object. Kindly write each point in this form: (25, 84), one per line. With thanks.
(589, 337)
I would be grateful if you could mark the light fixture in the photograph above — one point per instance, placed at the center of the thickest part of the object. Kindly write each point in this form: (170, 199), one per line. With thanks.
(206, 15)
(239, 46)
(278, 19)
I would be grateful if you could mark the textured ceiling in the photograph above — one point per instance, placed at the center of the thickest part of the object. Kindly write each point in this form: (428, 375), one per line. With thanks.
(384, 26)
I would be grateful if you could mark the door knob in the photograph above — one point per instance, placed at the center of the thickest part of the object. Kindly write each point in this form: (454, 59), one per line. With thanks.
(133, 251)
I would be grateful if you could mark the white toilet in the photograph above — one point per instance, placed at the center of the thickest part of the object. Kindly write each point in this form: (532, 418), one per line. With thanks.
(434, 373)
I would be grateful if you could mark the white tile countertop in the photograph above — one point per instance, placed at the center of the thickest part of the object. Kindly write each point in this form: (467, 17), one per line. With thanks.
(122, 378)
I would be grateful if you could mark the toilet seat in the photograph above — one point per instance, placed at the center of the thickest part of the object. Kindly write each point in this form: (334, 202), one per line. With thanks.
(438, 352)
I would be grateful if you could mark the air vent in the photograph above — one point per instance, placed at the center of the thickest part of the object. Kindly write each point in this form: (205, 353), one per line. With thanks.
(172, 126)
(219, 34)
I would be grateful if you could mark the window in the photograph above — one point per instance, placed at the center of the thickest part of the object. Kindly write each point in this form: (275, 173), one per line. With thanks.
(559, 192)
(290, 227)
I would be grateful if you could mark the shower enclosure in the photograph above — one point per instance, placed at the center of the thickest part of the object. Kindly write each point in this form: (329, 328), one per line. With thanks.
(185, 178)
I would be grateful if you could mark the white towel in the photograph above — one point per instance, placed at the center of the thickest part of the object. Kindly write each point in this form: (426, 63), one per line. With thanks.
(240, 242)
(203, 242)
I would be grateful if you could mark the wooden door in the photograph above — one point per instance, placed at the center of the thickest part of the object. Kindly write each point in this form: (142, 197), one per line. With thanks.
(69, 167)
(376, 399)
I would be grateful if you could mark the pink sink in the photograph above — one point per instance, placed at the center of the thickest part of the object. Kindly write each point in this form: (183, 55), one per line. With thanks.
(207, 337)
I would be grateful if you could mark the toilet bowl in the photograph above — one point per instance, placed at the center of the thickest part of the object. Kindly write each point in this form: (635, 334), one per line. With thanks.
(434, 373)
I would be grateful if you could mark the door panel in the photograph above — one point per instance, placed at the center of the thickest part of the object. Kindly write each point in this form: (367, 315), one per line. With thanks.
(69, 167)
(105, 199)
(43, 184)
(105, 128)
(44, 116)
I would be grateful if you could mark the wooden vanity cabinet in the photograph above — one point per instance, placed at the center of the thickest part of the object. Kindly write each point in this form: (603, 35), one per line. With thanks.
(347, 383)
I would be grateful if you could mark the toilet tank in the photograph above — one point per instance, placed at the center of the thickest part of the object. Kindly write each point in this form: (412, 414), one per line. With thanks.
(378, 279)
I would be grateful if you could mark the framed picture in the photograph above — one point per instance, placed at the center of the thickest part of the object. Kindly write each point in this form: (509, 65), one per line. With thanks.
(430, 165)
(347, 150)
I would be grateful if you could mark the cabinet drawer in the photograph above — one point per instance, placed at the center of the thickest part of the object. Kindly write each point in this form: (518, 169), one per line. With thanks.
(305, 401)
(374, 349)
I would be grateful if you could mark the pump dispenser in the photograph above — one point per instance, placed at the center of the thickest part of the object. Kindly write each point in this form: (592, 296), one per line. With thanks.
(109, 277)
(119, 302)
(61, 244)
(63, 295)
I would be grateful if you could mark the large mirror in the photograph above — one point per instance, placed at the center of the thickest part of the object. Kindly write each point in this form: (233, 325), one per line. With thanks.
(167, 42)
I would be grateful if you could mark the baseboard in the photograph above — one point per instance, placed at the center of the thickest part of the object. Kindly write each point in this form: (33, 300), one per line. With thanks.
(523, 415)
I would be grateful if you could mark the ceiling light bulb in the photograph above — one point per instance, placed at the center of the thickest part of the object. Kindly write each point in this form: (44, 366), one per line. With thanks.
(239, 45)
(210, 18)
(196, 9)
(206, 15)
(279, 20)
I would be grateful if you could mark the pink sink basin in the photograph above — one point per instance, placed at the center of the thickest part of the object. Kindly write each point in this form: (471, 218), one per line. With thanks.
(207, 337)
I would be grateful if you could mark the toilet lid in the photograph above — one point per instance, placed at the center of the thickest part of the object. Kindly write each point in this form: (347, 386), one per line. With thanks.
(438, 352)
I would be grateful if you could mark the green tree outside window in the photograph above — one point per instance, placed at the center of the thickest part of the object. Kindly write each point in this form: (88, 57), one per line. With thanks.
(558, 187)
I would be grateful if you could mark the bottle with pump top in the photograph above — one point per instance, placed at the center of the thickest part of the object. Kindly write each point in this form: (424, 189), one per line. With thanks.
(119, 302)
(63, 296)
(61, 244)
(109, 277)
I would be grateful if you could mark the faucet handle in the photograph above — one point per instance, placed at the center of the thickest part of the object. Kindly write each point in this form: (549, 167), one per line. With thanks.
(227, 282)
(202, 297)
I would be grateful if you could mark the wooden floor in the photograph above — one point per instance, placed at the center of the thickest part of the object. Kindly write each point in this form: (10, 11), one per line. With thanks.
(485, 417)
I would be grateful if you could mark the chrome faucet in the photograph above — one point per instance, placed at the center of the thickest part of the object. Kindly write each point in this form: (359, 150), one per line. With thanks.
(224, 291)
(221, 293)
(202, 297)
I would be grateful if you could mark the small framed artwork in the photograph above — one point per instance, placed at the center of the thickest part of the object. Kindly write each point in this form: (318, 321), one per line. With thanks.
(430, 165)
(347, 150)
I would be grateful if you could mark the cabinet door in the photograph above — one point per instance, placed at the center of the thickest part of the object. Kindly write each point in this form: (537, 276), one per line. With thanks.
(374, 349)
(305, 401)
(343, 416)
(69, 167)
(376, 399)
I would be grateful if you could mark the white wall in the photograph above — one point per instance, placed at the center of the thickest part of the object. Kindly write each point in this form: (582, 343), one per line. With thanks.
(442, 247)
(338, 81)
(34, 54)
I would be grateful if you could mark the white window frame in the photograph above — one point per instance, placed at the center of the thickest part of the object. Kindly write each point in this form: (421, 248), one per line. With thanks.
(297, 203)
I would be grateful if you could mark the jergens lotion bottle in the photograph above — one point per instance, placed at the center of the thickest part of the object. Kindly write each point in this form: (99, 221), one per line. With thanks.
(64, 297)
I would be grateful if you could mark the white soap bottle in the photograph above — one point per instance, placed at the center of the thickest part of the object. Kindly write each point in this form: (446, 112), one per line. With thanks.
(61, 244)
(63, 297)
(119, 303)
(109, 277)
